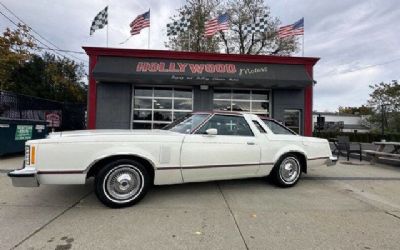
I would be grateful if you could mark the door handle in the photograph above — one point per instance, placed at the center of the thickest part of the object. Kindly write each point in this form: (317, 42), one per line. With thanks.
(251, 143)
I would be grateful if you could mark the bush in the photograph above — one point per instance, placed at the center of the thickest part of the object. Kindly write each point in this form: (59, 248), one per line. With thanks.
(358, 137)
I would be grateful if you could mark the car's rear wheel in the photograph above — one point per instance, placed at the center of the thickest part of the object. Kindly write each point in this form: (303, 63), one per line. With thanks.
(287, 171)
(122, 183)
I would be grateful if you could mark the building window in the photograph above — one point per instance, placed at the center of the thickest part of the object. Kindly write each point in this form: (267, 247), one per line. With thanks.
(292, 119)
(153, 108)
(253, 101)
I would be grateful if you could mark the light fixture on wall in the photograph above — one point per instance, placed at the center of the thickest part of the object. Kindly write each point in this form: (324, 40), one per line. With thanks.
(204, 87)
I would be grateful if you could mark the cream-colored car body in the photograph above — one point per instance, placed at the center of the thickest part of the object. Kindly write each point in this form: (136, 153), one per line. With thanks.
(67, 157)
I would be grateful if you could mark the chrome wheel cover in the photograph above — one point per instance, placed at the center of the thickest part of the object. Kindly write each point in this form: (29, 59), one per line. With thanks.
(289, 170)
(123, 183)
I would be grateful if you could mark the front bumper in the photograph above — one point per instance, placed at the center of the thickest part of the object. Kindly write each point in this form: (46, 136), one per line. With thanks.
(26, 177)
(331, 161)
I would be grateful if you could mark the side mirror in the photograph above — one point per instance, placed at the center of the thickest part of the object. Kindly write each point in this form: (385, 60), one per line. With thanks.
(212, 131)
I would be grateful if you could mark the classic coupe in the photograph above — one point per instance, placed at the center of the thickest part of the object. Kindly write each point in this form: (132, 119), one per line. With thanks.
(198, 147)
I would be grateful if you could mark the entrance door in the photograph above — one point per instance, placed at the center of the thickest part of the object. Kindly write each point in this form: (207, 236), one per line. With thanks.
(233, 153)
(292, 119)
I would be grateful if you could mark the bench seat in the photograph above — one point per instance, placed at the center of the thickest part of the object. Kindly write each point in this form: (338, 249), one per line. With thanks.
(379, 153)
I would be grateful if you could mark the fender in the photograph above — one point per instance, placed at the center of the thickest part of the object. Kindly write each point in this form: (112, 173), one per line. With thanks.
(115, 151)
(288, 149)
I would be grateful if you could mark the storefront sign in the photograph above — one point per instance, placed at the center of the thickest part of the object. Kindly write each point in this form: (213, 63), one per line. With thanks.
(198, 72)
(53, 119)
(23, 132)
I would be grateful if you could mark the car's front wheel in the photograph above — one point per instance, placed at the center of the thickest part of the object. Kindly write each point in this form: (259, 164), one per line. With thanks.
(287, 171)
(121, 183)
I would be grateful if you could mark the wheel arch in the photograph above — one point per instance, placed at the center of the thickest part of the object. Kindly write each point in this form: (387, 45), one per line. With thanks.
(99, 163)
(299, 154)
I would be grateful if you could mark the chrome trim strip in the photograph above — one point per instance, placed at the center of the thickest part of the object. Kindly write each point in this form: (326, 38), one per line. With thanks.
(215, 166)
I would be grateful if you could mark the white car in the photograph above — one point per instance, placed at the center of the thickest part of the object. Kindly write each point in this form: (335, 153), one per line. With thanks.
(199, 147)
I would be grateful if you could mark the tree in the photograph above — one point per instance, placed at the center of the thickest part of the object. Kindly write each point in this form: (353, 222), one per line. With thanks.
(51, 77)
(363, 110)
(193, 39)
(235, 40)
(23, 70)
(16, 47)
(385, 98)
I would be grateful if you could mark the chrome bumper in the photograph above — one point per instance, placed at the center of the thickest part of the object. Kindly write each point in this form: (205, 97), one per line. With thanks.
(331, 161)
(26, 177)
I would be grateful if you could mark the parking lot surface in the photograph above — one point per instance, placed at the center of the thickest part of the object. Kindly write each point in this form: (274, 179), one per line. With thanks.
(348, 206)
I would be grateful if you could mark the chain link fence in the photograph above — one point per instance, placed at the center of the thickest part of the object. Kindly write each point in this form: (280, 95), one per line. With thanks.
(22, 107)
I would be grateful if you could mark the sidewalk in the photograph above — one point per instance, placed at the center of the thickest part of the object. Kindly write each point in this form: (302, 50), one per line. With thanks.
(10, 162)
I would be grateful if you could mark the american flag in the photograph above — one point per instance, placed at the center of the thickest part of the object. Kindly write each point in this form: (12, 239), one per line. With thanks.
(214, 25)
(141, 21)
(295, 29)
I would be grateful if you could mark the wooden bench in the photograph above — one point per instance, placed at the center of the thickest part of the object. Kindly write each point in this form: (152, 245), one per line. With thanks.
(376, 154)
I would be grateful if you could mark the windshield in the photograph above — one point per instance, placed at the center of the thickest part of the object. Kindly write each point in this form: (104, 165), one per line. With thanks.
(187, 124)
(278, 128)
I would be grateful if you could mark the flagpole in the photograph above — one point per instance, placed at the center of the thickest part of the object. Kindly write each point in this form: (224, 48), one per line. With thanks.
(148, 38)
(303, 36)
(107, 29)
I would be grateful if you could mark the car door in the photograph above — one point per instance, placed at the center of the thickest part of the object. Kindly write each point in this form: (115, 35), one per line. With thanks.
(232, 153)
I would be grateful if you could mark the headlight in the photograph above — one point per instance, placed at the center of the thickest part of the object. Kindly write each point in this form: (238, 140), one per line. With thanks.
(27, 155)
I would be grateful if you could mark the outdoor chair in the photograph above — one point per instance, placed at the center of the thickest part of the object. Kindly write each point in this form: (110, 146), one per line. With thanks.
(345, 146)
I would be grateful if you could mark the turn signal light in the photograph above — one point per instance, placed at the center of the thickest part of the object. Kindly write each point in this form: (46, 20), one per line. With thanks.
(33, 155)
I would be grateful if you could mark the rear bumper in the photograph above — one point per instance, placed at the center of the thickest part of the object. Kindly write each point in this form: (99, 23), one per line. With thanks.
(26, 177)
(331, 161)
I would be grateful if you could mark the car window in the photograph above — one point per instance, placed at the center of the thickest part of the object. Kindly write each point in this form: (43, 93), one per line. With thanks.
(259, 127)
(277, 128)
(187, 124)
(227, 125)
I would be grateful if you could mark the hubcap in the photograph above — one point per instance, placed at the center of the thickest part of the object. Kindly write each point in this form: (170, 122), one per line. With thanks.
(123, 182)
(289, 170)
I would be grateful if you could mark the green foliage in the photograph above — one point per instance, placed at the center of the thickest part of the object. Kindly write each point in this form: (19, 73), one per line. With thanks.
(235, 40)
(385, 101)
(15, 49)
(363, 110)
(23, 70)
(359, 137)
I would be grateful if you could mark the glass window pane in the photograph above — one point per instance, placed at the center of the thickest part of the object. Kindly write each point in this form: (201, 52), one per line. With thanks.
(260, 106)
(222, 94)
(140, 91)
(183, 104)
(162, 92)
(227, 125)
(162, 103)
(142, 115)
(241, 94)
(159, 125)
(183, 93)
(137, 125)
(163, 116)
(277, 128)
(142, 103)
(222, 105)
(260, 95)
(178, 115)
(292, 120)
(240, 106)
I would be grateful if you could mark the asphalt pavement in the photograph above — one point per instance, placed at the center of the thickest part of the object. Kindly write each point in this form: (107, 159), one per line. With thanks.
(348, 206)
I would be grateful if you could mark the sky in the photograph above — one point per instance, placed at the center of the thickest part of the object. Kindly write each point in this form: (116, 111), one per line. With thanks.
(357, 40)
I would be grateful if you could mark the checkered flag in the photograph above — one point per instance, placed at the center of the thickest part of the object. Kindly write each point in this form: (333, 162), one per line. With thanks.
(99, 21)
(178, 26)
(260, 26)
